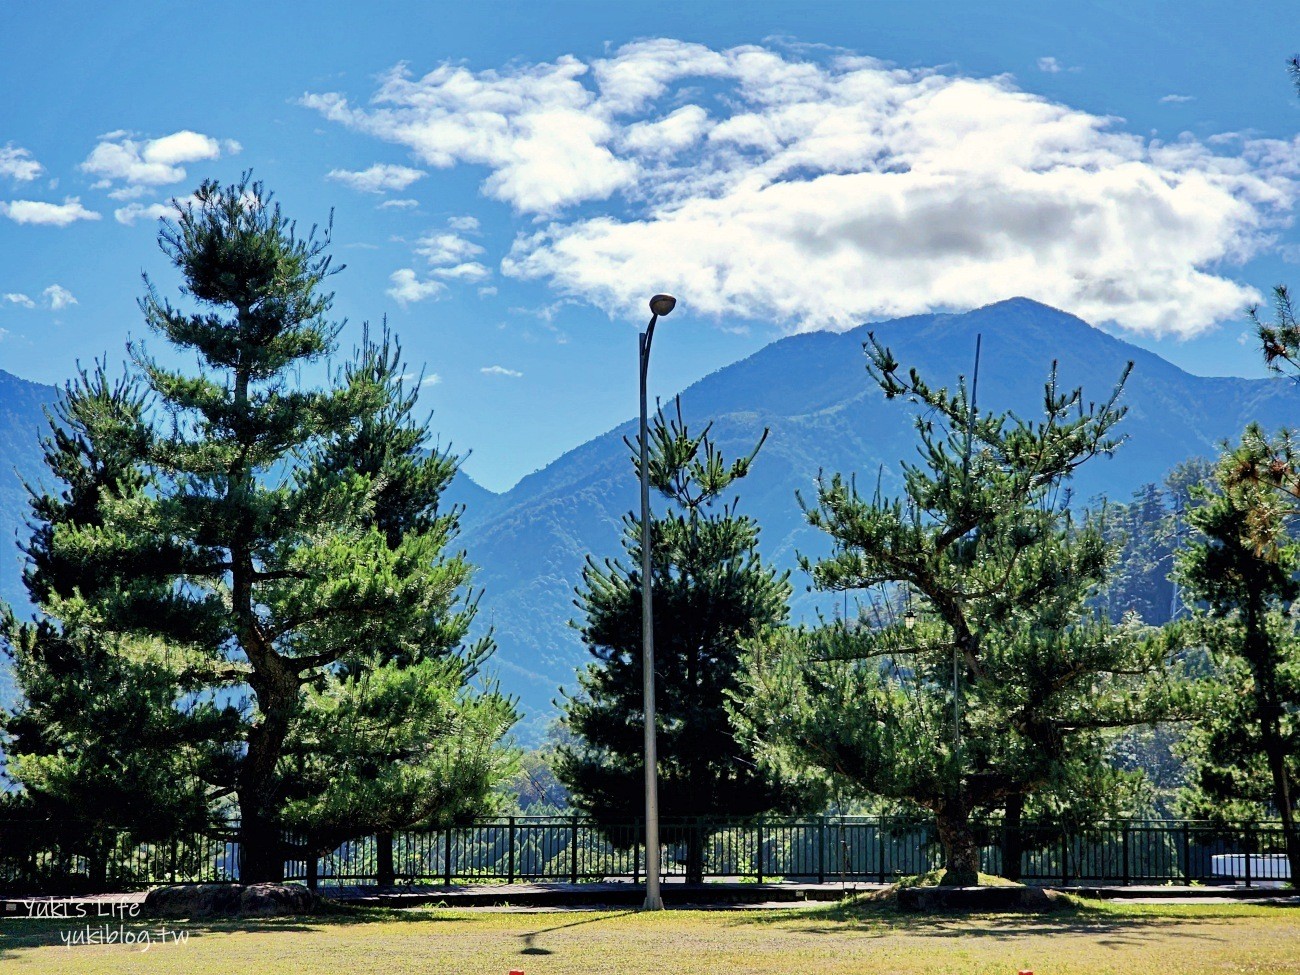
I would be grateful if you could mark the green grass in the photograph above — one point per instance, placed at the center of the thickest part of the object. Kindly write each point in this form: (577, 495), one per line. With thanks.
(848, 938)
(935, 877)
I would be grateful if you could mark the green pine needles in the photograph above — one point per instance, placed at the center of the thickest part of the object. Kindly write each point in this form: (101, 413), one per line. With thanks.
(711, 590)
(277, 553)
(999, 689)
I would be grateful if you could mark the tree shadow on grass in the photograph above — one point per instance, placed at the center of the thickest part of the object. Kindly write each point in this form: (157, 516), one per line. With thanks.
(22, 933)
(1103, 926)
(530, 937)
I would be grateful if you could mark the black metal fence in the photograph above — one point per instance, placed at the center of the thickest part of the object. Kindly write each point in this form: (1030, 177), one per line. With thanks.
(38, 854)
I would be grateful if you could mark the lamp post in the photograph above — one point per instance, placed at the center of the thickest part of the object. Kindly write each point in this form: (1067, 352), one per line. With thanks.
(659, 305)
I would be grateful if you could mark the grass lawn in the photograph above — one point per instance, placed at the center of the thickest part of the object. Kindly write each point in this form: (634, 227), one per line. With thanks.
(1107, 940)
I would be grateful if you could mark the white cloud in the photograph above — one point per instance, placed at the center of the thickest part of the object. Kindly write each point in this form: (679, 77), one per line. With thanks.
(819, 190)
(58, 297)
(140, 164)
(668, 135)
(15, 298)
(500, 371)
(446, 248)
(468, 271)
(17, 163)
(464, 225)
(379, 178)
(1177, 99)
(408, 287)
(4, 334)
(132, 212)
(449, 257)
(533, 126)
(1051, 65)
(399, 204)
(433, 379)
(47, 214)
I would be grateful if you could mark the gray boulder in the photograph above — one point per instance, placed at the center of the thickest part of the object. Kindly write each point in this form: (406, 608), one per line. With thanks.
(229, 900)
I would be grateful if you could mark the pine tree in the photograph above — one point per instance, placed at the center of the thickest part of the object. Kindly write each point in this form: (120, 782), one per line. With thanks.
(1006, 678)
(302, 577)
(398, 736)
(1245, 748)
(710, 591)
(108, 731)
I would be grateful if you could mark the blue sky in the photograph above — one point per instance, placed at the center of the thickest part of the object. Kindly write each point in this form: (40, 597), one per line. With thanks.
(511, 181)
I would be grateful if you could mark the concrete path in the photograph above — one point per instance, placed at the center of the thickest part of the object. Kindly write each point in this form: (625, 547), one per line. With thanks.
(623, 894)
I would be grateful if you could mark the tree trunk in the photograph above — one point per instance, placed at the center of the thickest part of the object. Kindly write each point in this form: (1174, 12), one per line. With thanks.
(1265, 668)
(1275, 749)
(97, 864)
(385, 875)
(1012, 838)
(261, 844)
(261, 852)
(695, 853)
(961, 854)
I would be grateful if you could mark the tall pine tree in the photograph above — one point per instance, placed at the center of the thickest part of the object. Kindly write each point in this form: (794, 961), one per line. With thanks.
(999, 689)
(710, 591)
(1245, 747)
(298, 561)
(403, 733)
(111, 730)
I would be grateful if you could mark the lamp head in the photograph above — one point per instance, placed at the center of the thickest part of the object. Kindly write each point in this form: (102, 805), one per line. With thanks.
(909, 619)
(661, 305)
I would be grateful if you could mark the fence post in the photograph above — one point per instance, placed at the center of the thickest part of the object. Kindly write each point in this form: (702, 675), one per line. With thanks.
(313, 872)
(446, 857)
(758, 852)
(821, 850)
(636, 851)
(510, 853)
(1124, 852)
(573, 852)
(1187, 855)
(1249, 846)
(880, 842)
(385, 873)
(1065, 859)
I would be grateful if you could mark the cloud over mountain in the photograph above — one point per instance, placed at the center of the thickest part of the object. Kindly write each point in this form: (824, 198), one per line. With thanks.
(819, 190)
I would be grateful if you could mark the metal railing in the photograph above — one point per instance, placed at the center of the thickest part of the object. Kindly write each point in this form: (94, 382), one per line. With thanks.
(42, 854)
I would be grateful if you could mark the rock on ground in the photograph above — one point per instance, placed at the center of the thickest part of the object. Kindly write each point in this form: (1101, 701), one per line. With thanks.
(980, 899)
(229, 900)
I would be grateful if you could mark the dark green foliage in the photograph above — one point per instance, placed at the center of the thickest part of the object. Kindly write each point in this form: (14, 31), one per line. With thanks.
(711, 590)
(111, 729)
(289, 550)
(999, 574)
(1245, 749)
(396, 736)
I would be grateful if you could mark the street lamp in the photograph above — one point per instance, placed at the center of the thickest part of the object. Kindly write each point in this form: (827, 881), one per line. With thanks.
(659, 305)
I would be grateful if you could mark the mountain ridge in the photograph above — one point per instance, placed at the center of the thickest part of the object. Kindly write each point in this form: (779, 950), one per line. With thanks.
(813, 392)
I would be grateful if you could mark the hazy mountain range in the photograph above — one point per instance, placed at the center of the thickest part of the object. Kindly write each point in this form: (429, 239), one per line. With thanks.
(823, 412)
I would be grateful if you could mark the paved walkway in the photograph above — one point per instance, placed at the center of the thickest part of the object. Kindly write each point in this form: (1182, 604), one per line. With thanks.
(611, 894)
(615, 894)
